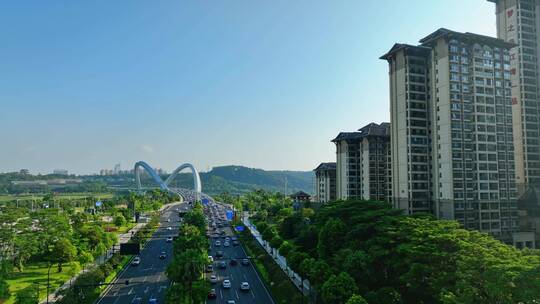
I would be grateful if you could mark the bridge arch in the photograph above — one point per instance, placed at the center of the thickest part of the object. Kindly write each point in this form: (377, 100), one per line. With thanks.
(196, 178)
(164, 185)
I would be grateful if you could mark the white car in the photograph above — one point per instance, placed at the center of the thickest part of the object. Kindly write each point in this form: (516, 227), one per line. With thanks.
(169, 239)
(244, 286)
(226, 283)
(136, 261)
(231, 302)
(169, 228)
(218, 243)
(211, 258)
(213, 279)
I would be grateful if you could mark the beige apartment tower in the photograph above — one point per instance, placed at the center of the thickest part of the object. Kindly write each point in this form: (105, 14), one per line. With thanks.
(518, 22)
(362, 169)
(325, 182)
(452, 146)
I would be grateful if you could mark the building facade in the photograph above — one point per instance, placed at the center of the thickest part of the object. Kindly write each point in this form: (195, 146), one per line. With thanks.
(325, 182)
(409, 131)
(518, 22)
(452, 138)
(362, 170)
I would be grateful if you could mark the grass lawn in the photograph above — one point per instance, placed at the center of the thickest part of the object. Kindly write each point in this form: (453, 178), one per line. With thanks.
(62, 196)
(38, 273)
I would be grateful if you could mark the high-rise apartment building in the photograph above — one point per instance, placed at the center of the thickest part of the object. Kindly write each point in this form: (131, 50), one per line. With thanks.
(452, 146)
(362, 163)
(325, 182)
(518, 22)
(410, 128)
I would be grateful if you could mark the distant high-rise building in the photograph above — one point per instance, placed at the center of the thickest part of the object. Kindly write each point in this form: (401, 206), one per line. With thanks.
(117, 169)
(452, 147)
(518, 22)
(60, 171)
(362, 163)
(325, 182)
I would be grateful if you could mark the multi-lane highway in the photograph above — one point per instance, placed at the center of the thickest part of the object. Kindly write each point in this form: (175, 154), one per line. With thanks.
(236, 274)
(148, 279)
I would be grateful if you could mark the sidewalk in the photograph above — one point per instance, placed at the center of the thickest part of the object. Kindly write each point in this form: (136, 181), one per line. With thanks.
(122, 239)
(280, 260)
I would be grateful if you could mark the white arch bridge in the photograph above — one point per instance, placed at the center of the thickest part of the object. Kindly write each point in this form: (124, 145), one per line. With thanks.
(186, 194)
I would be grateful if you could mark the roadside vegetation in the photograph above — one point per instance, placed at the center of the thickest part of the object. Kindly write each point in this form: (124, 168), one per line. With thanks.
(367, 252)
(60, 238)
(190, 257)
(282, 289)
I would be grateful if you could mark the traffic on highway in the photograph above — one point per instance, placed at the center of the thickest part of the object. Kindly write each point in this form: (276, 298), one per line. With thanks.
(231, 274)
(148, 281)
(232, 277)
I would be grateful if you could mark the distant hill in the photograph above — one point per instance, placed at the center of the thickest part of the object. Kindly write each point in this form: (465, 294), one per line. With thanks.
(231, 179)
(239, 179)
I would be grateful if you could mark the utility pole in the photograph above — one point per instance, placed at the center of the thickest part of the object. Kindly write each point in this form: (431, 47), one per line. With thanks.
(48, 281)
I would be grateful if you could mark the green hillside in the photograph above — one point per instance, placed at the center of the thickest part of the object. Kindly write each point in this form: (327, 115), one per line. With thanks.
(239, 179)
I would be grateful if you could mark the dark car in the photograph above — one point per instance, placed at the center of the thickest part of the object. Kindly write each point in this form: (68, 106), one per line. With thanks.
(162, 255)
(245, 262)
(233, 262)
(235, 243)
(219, 254)
(222, 265)
(212, 294)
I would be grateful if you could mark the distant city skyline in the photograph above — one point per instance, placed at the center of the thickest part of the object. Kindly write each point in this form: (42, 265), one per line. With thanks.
(260, 84)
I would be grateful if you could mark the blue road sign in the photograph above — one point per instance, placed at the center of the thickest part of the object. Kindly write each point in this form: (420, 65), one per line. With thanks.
(205, 201)
(99, 203)
(239, 228)
(230, 215)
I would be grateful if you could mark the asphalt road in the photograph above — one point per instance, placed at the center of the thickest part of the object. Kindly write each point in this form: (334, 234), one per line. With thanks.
(236, 274)
(147, 279)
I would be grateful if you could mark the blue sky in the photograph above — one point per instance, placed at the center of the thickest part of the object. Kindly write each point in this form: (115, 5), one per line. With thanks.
(266, 84)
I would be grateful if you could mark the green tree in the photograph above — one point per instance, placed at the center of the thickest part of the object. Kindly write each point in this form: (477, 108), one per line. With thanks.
(85, 257)
(331, 237)
(119, 220)
(356, 299)
(308, 212)
(285, 248)
(4, 287)
(338, 289)
(62, 252)
(383, 296)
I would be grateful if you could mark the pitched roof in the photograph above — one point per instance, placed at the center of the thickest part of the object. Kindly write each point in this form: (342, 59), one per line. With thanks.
(403, 46)
(443, 32)
(371, 129)
(300, 193)
(376, 130)
(326, 166)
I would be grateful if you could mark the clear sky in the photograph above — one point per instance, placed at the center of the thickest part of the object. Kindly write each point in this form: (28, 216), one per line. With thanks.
(266, 84)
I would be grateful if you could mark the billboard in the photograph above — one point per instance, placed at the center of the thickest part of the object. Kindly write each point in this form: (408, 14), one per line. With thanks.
(130, 249)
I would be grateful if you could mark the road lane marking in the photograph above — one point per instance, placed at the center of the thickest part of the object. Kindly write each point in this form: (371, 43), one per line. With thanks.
(130, 291)
(252, 294)
(220, 294)
(147, 289)
(236, 292)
